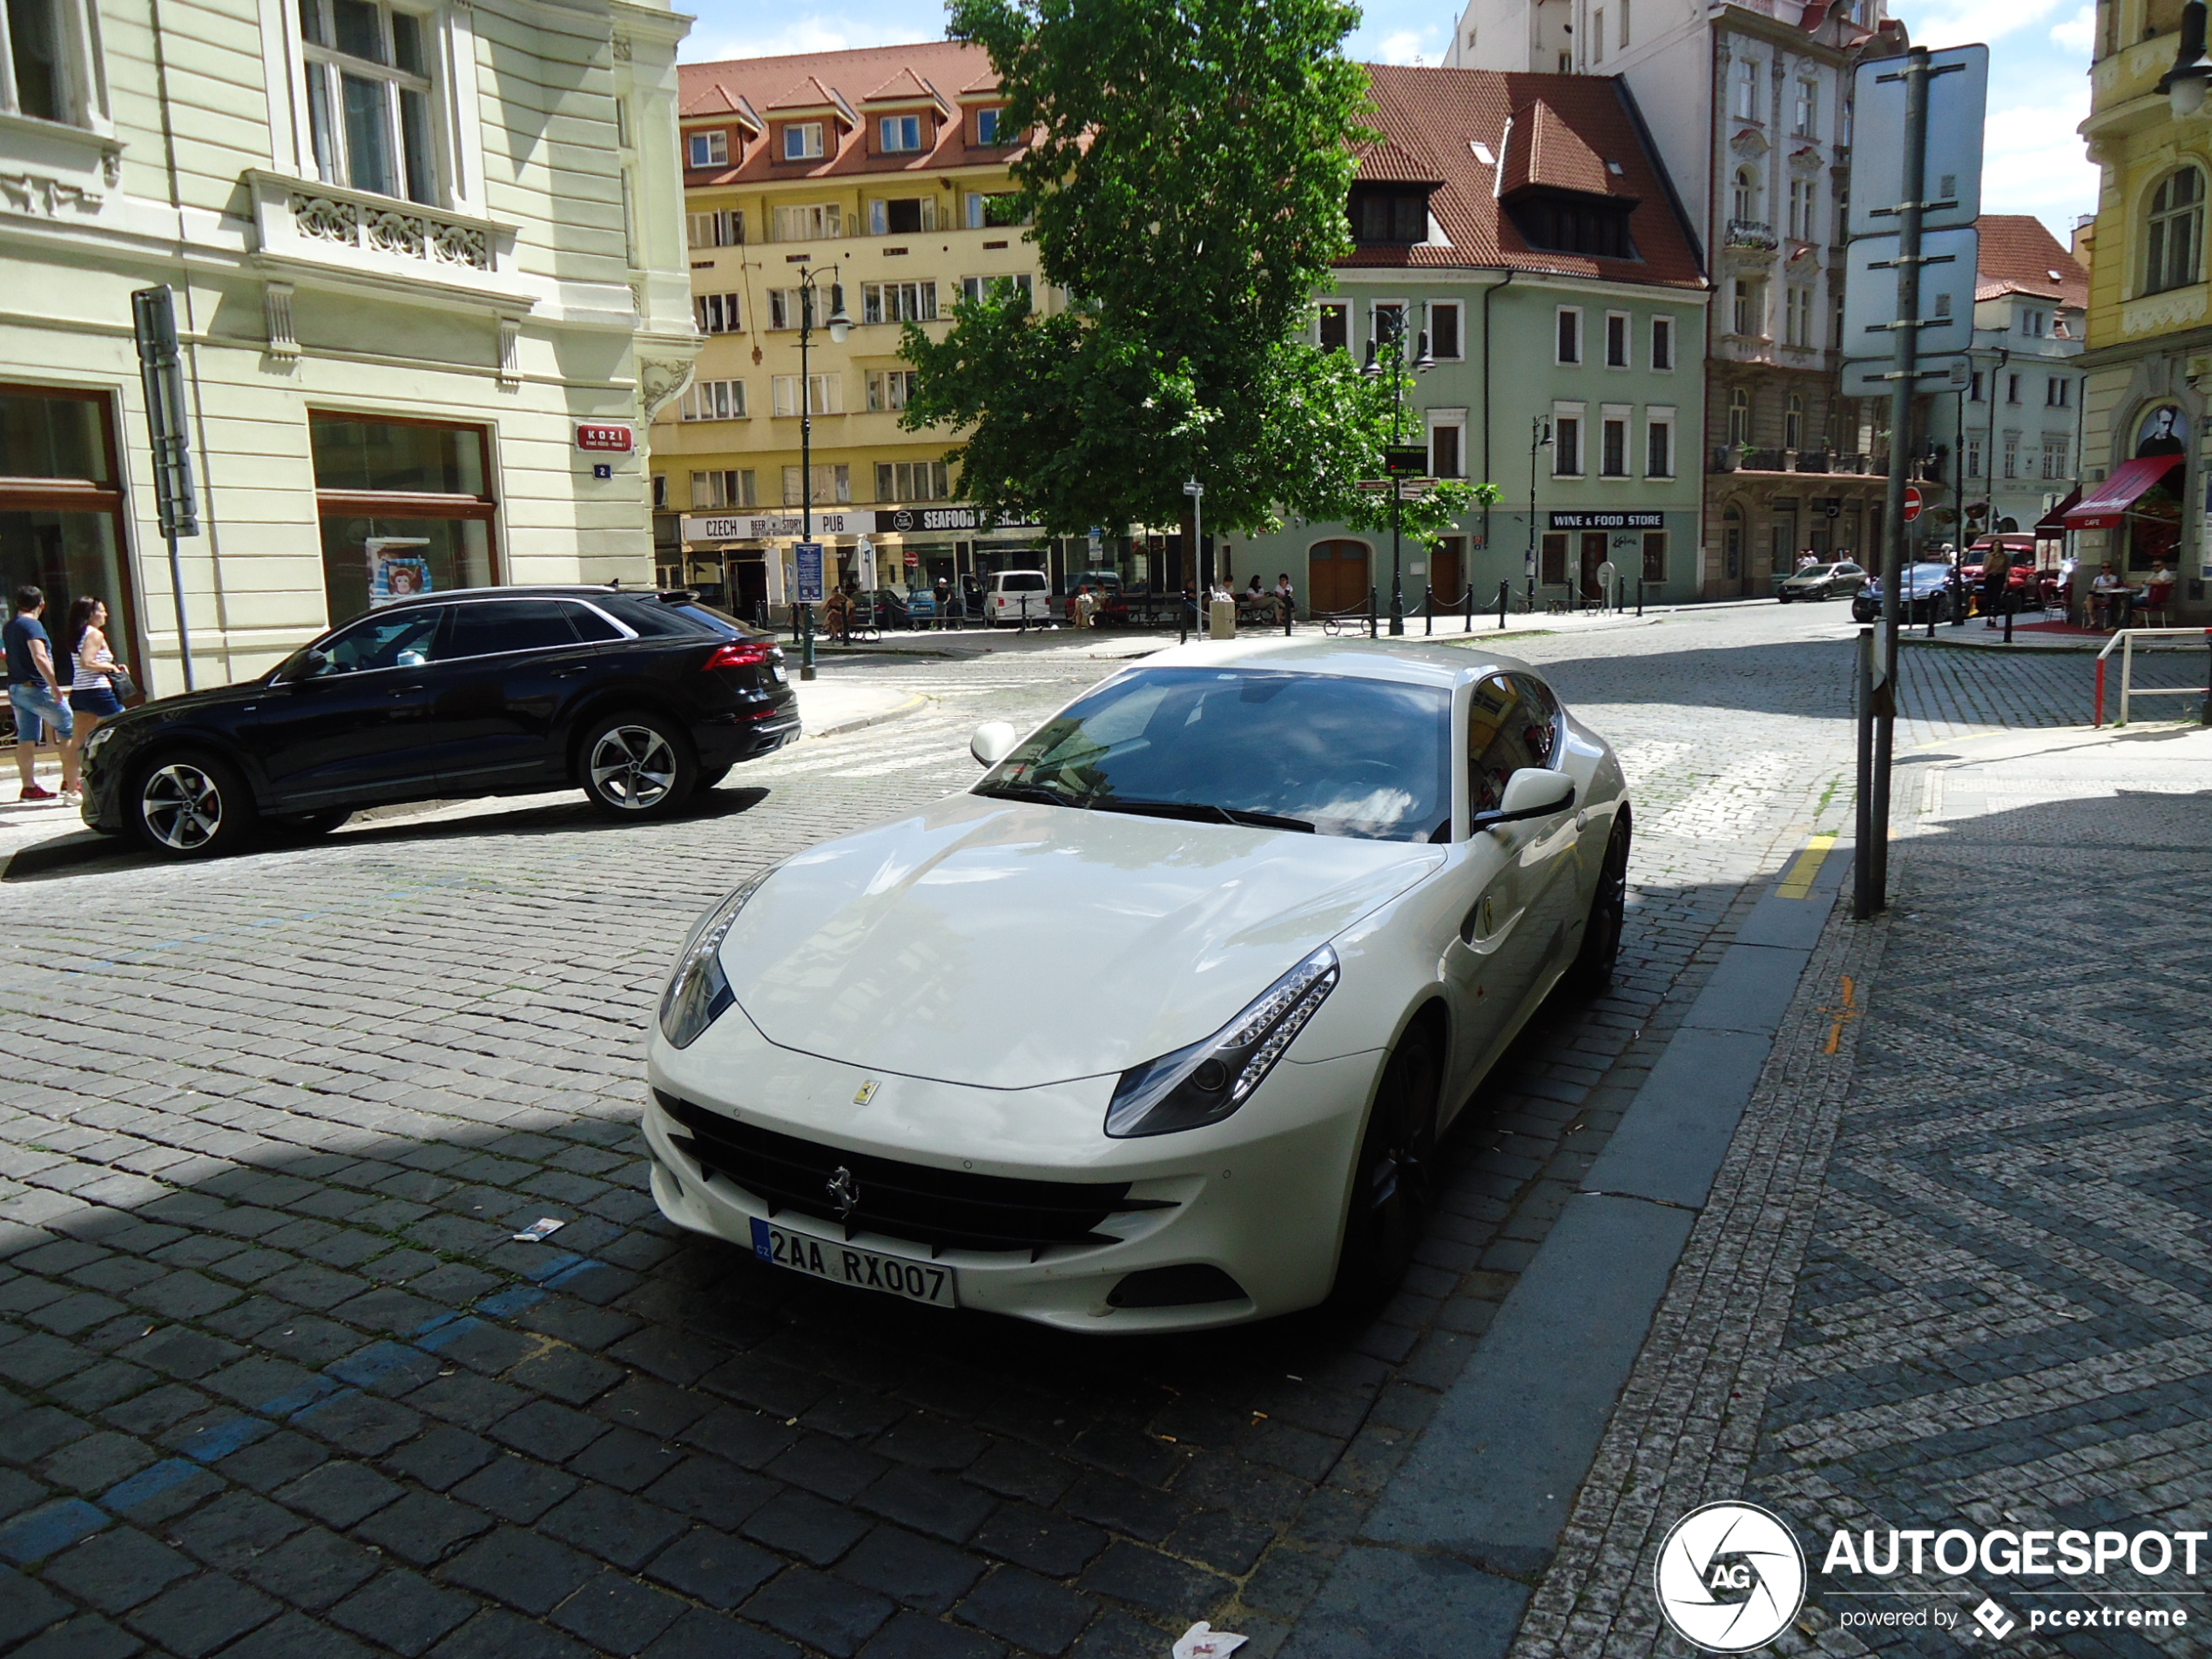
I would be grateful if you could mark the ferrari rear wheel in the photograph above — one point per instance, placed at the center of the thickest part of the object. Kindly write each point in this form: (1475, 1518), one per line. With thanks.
(1391, 1184)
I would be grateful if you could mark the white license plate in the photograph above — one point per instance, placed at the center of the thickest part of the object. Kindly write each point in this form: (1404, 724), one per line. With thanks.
(848, 1265)
(776, 673)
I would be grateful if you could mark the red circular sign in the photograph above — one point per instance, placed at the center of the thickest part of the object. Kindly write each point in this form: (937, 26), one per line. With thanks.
(1911, 503)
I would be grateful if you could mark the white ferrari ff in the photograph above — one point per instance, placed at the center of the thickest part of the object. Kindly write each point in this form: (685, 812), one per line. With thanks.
(1157, 1025)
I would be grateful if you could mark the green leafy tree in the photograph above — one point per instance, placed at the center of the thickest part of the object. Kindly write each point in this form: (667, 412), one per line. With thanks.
(1186, 182)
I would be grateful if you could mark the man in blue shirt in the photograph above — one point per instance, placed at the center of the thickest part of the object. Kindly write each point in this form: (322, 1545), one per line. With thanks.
(34, 693)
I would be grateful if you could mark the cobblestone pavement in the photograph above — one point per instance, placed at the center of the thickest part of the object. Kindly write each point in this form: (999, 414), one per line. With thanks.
(280, 1382)
(1953, 1274)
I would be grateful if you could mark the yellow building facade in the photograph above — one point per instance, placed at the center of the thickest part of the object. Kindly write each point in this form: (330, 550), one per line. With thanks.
(878, 177)
(2144, 452)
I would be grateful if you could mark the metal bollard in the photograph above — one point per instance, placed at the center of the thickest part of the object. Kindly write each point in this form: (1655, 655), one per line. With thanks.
(1429, 610)
(1467, 602)
(1639, 596)
(2009, 608)
(1504, 593)
(1372, 631)
(2204, 717)
(1289, 616)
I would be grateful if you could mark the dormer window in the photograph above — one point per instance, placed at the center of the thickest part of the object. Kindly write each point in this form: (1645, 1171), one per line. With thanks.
(899, 134)
(1565, 221)
(803, 141)
(1390, 213)
(986, 127)
(708, 149)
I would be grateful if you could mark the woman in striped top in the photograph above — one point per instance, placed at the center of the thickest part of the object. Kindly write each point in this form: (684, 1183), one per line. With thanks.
(91, 689)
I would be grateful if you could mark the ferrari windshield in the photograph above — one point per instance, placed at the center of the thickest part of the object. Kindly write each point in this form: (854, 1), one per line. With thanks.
(1330, 754)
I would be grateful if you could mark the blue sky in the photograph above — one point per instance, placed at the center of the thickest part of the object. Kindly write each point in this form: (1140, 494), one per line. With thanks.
(2039, 84)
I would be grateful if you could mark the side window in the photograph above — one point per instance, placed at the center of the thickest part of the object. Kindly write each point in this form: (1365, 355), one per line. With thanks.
(1511, 723)
(590, 627)
(402, 641)
(495, 625)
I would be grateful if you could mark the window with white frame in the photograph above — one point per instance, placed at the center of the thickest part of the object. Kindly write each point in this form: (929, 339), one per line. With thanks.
(48, 65)
(1613, 440)
(1798, 317)
(1332, 325)
(2058, 393)
(1973, 392)
(1662, 343)
(827, 394)
(787, 307)
(715, 400)
(898, 302)
(2032, 323)
(906, 481)
(1617, 340)
(369, 72)
(805, 222)
(1659, 444)
(1447, 443)
(1801, 198)
(901, 215)
(831, 483)
(986, 127)
(1750, 306)
(708, 149)
(1973, 458)
(976, 287)
(1744, 201)
(1739, 416)
(660, 492)
(2012, 389)
(724, 228)
(1567, 335)
(718, 314)
(1386, 321)
(732, 489)
(1747, 91)
(889, 389)
(2011, 457)
(2054, 453)
(1446, 343)
(989, 209)
(1805, 110)
(897, 134)
(803, 141)
(1793, 421)
(1567, 439)
(1597, 36)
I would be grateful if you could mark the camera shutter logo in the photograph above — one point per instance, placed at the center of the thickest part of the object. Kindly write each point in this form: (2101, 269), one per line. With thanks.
(1730, 1577)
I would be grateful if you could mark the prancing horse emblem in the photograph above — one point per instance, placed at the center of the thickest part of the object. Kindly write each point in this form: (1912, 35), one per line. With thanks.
(866, 1093)
(844, 1191)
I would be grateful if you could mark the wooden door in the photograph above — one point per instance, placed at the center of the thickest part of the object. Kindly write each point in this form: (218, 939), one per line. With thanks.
(1593, 556)
(1337, 576)
(1445, 575)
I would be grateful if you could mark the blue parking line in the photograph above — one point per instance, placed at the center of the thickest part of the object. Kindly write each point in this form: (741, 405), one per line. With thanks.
(148, 1484)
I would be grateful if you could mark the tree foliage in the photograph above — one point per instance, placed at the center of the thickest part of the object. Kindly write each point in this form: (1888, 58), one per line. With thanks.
(1186, 181)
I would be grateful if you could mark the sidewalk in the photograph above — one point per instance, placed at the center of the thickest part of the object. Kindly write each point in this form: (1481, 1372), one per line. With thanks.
(1948, 1273)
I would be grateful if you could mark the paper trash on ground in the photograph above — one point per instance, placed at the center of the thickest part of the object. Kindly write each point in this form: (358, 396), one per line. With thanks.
(538, 1229)
(1201, 1640)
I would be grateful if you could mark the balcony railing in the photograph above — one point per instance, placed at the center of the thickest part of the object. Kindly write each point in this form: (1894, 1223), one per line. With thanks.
(1750, 233)
(1730, 458)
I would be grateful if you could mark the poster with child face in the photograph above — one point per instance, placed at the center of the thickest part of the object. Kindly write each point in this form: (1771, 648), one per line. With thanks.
(397, 570)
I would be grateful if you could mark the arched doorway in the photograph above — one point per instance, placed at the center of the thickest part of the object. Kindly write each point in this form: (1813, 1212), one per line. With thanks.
(1337, 576)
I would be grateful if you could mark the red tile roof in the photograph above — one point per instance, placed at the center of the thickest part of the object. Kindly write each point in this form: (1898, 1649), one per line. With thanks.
(1568, 131)
(2019, 255)
(826, 80)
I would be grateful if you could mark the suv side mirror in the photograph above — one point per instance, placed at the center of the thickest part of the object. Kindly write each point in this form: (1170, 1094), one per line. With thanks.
(993, 742)
(1532, 792)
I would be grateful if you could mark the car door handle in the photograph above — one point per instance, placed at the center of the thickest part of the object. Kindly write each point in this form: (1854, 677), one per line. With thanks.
(567, 673)
(407, 690)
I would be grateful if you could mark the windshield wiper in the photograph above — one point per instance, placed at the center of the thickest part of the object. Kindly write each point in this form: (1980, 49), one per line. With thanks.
(1198, 811)
(1027, 792)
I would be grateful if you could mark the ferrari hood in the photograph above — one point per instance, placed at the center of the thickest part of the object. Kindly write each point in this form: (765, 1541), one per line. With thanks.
(1006, 945)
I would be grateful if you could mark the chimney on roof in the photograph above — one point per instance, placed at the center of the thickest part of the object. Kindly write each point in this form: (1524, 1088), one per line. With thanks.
(2084, 227)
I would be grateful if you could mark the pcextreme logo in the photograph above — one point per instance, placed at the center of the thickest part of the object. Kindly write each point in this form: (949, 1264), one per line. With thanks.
(1730, 1577)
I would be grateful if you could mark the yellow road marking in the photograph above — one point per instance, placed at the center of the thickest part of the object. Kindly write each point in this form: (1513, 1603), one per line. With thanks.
(1845, 1014)
(1797, 882)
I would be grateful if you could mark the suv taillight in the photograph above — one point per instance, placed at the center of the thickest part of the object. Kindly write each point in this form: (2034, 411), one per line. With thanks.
(741, 653)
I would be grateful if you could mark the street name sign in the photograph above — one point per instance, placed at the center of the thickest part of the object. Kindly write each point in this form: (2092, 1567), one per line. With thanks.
(1958, 103)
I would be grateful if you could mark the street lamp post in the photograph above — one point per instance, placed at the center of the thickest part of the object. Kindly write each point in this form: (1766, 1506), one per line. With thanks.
(839, 326)
(1540, 437)
(1197, 491)
(1390, 333)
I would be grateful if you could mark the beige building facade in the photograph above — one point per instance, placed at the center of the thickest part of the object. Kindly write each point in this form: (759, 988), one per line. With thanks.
(428, 281)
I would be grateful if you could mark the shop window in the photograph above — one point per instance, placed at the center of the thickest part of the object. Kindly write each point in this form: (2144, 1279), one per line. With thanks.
(1554, 562)
(369, 70)
(61, 510)
(406, 508)
(1655, 555)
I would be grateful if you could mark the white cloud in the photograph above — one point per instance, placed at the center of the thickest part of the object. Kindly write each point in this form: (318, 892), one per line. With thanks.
(716, 38)
(2078, 33)
(1409, 46)
(1960, 20)
(2033, 161)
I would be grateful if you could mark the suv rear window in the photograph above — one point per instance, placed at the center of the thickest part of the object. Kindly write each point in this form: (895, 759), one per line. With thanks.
(661, 618)
(1022, 582)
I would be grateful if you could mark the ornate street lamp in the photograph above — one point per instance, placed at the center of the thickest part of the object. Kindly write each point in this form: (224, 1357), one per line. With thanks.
(1389, 333)
(2184, 83)
(839, 326)
(1540, 438)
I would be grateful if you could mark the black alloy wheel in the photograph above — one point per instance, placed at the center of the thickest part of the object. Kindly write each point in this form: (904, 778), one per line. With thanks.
(1592, 972)
(1391, 1186)
(636, 766)
(190, 805)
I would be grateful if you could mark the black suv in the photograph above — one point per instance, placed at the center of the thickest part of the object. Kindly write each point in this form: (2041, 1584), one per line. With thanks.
(636, 699)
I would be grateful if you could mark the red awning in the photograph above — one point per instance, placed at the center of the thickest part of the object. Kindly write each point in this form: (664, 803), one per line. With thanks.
(2110, 503)
(2052, 524)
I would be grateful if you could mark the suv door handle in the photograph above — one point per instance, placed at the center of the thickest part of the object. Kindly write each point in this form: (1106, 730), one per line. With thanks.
(567, 673)
(408, 690)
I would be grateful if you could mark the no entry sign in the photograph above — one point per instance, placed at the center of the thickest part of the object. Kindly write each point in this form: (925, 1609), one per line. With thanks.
(1912, 502)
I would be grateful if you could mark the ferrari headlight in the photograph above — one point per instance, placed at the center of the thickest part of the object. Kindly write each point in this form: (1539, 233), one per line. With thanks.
(1206, 1082)
(699, 994)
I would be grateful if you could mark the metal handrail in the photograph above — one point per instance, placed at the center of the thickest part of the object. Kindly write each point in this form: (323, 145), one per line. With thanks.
(2125, 638)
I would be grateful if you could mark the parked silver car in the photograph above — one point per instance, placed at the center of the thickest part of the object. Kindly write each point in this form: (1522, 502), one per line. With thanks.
(1822, 582)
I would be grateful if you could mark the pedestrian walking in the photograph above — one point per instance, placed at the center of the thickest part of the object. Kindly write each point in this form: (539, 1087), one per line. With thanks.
(1996, 579)
(35, 695)
(92, 694)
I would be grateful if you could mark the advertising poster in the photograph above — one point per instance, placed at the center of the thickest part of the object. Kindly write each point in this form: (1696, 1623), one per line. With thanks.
(396, 569)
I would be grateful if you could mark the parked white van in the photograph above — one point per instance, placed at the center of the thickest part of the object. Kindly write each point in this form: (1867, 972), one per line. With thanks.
(1016, 595)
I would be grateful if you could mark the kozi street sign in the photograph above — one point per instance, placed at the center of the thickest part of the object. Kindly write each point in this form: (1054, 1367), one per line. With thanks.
(1957, 101)
(808, 557)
